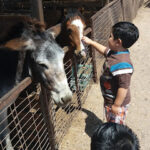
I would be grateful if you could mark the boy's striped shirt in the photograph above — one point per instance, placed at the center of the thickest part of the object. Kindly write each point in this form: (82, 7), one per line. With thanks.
(117, 71)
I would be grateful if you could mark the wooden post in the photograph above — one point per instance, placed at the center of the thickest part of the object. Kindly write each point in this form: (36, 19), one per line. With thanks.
(107, 1)
(93, 55)
(77, 81)
(48, 117)
(37, 10)
(123, 14)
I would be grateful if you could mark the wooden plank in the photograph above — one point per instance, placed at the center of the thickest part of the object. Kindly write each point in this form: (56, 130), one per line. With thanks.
(37, 10)
(87, 31)
(11, 96)
(62, 4)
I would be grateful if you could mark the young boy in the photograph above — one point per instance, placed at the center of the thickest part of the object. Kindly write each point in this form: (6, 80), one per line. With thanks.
(113, 136)
(117, 70)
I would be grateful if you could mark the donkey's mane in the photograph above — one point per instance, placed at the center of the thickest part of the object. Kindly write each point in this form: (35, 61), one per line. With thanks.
(17, 27)
(35, 25)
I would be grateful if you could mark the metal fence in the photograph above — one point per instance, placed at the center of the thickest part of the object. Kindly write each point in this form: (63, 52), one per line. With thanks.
(26, 124)
(34, 121)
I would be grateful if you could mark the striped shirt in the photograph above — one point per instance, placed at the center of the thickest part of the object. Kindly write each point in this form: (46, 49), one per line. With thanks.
(117, 71)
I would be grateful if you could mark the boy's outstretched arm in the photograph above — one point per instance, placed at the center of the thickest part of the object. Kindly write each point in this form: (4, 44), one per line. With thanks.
(99, 47)
(121, 94)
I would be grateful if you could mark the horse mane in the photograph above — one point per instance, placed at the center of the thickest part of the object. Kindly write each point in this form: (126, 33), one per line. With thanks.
(17, 24)
(73, 14)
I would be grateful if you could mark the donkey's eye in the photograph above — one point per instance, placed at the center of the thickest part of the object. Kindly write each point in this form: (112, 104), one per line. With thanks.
(43, 65)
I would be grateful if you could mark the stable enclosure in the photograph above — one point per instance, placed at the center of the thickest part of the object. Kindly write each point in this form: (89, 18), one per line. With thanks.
(35, 122)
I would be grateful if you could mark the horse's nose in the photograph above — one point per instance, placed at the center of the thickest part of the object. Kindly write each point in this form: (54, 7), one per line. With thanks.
(83, 53)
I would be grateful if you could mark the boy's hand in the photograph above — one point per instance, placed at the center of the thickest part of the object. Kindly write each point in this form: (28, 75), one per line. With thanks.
(86, 40)
(115, 109)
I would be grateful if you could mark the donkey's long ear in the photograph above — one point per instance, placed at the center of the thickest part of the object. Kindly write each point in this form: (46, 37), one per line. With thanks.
(19, 44)
(54, 30)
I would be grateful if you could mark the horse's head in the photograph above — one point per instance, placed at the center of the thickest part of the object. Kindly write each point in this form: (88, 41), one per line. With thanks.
(70, 32)
(74, 28)
(45, 58)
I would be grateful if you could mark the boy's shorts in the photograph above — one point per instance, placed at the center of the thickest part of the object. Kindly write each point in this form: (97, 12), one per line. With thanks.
(120, 118)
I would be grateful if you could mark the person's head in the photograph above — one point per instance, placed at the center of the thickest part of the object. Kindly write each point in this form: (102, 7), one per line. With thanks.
(112, 136)
(123, 34)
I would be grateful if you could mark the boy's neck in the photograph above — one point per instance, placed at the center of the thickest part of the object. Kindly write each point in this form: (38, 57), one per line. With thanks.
(120, 49)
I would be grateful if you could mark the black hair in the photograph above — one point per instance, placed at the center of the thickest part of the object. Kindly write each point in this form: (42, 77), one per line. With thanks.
(112, 136)
(127, 32)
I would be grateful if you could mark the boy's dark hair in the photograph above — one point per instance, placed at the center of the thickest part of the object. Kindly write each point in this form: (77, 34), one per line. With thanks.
(112, 136)
(127, 32)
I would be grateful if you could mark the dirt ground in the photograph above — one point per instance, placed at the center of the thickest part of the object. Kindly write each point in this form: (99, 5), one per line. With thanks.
(78, 136)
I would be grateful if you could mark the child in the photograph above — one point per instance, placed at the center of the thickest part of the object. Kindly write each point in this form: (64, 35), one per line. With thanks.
(112, 136)
(117, 70)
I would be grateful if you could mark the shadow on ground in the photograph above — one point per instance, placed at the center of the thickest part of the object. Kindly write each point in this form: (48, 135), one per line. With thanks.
(92, 122)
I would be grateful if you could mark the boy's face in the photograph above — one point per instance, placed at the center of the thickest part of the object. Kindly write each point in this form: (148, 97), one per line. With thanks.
(114, 44)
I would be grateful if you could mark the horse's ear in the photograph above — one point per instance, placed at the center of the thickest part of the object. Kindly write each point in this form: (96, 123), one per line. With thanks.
(81, 10)
(19, 44)
(65, 11)
(55, 30)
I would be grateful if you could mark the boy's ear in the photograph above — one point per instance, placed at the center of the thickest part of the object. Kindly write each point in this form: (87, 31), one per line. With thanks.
(118, 42)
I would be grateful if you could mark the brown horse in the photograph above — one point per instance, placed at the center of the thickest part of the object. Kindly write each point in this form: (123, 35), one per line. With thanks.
(70, 32)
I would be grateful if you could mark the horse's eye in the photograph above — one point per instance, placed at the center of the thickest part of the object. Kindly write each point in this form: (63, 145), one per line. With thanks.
(43, 65)
(69, 31)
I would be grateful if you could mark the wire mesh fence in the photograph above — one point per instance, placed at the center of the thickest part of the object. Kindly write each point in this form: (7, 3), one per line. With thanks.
(32, 121)
(22, 124)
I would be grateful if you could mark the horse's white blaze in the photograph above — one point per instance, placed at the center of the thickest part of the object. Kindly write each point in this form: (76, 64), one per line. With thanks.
(80, 26)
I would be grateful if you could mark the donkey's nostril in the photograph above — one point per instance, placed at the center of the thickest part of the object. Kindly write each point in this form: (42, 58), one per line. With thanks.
(62, 99)
(66, 99)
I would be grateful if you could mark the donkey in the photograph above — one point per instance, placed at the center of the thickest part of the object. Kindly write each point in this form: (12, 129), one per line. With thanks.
(44, 62)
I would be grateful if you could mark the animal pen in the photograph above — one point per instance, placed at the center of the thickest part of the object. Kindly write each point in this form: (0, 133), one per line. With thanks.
(35, 122)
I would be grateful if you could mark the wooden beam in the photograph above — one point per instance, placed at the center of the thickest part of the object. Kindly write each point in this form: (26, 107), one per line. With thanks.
(11, 96)
(37, 10)
(62, 4)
